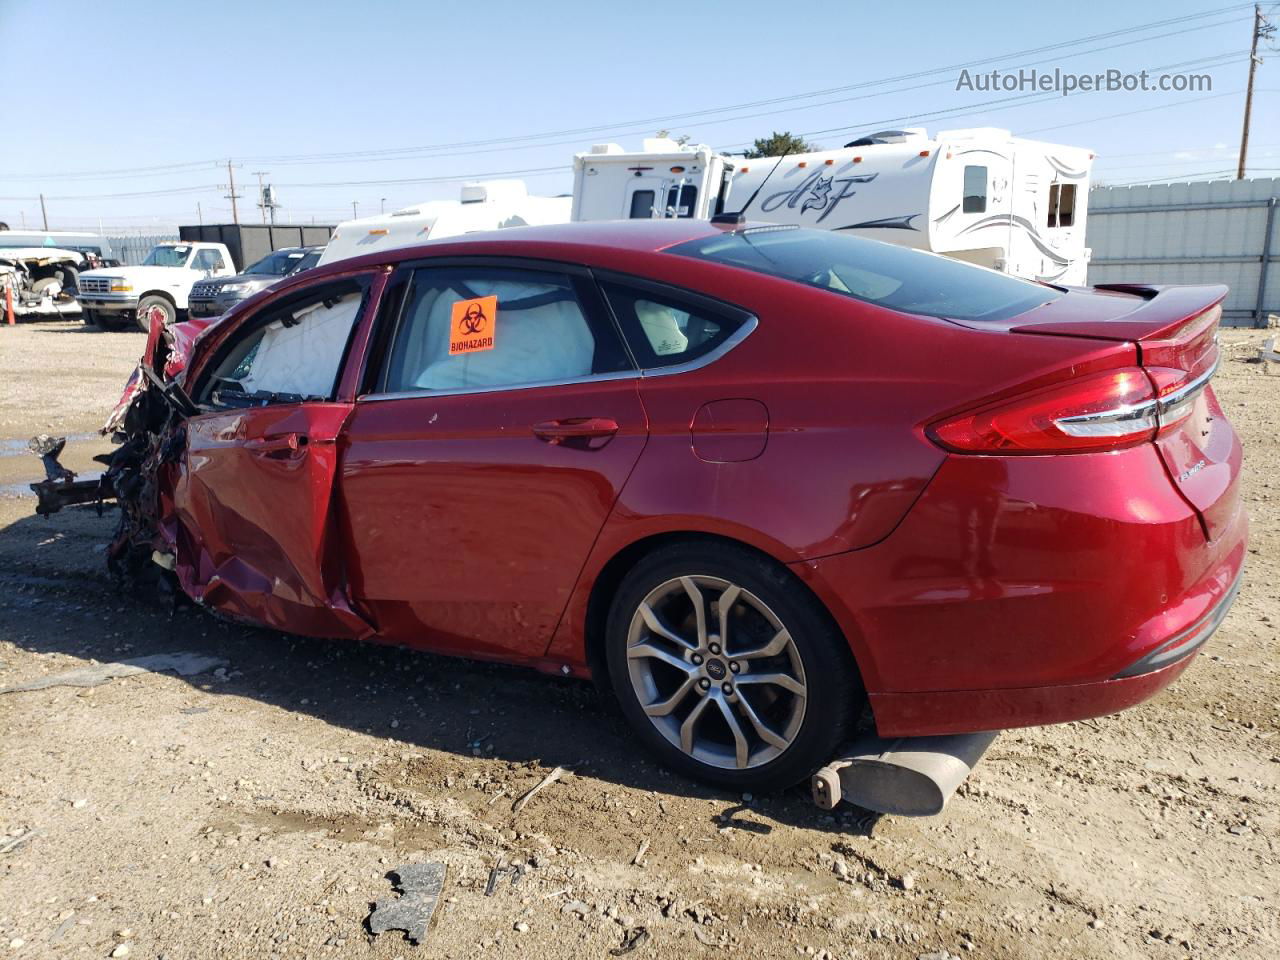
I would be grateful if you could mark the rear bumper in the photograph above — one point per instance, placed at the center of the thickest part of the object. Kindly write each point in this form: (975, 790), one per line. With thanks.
(965, 711)
(1032, 590)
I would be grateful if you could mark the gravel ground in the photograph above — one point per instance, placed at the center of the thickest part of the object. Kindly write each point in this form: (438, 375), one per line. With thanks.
(255, 811)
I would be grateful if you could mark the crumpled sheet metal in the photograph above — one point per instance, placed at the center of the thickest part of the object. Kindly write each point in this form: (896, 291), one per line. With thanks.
(419, 885)
(183, 663)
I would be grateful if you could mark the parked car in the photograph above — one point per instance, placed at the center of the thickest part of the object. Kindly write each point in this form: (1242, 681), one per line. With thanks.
(759, 482)
(156, 291)
(211, 298)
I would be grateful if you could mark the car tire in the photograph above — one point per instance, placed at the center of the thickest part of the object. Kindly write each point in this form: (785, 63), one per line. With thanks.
(89, 317)
(155, 308)
(785, 678)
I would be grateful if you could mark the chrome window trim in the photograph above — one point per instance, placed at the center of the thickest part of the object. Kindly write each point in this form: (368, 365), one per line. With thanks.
(745, 330)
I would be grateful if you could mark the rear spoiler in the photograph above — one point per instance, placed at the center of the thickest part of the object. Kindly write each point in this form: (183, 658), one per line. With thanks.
(1163, 311)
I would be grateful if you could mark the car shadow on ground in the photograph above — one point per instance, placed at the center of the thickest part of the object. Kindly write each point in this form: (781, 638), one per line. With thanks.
(58, 597)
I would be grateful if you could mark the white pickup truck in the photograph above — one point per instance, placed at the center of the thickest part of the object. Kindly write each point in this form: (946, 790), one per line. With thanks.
(156, 289)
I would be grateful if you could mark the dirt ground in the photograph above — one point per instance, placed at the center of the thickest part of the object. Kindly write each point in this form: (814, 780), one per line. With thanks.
(255, 811)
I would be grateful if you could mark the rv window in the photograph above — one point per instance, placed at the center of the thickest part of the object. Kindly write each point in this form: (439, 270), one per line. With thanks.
(641, 205)
(685, 203)
(975, 190)
(486, 328)
(1052, 220)
(879, 273)
(1067, 205)
(663, 330)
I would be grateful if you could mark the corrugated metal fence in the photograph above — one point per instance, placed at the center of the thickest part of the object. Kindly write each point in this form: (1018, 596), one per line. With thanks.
(134, 249)
(1217, 231)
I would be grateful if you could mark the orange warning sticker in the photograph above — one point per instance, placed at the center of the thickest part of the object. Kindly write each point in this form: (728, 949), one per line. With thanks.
(472, 325)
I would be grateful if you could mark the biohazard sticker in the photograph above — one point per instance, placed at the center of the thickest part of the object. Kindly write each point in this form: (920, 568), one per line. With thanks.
(472, 325)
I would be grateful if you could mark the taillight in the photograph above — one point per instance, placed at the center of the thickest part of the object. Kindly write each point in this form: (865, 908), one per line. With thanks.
(1101, 411)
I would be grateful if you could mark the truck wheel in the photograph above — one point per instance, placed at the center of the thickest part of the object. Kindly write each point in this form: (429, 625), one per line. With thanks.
(89, 317)
(154, 309)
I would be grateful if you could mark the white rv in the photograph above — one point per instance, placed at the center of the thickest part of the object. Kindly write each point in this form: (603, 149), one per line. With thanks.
(490, 205)
(980, 195)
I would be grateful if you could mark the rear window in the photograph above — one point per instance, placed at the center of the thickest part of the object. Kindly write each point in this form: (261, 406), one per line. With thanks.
(895, 277)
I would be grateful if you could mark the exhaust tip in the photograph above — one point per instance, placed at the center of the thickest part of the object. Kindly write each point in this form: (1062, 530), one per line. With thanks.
(906, 777)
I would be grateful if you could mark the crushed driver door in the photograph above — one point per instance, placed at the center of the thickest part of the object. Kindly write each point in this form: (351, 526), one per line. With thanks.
(253, 495)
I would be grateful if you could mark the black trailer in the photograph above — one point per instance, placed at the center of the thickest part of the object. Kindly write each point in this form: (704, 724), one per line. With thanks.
(250, 242)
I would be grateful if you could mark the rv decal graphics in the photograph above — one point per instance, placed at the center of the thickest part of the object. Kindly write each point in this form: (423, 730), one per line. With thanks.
(885, 223)
(1005, 219)
(816, 192)
(1066, 171)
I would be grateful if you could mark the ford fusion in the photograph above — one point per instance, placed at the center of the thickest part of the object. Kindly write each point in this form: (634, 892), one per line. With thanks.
(764, 484)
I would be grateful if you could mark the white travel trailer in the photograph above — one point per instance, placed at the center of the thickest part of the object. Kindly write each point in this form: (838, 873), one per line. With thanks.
(488, 205)
(981, 195)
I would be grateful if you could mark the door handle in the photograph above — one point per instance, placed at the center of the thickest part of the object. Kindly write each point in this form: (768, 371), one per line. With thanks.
(578, 428)
(286, 443)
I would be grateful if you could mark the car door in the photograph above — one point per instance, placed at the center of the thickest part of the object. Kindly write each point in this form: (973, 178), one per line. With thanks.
(502, 420)
(253, 490)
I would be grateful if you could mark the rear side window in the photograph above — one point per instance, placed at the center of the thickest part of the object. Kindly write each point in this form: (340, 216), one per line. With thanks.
(488, 328)
(898, 278)
(665, 329)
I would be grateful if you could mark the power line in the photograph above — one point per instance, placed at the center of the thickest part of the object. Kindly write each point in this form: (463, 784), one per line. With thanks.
(406, 152)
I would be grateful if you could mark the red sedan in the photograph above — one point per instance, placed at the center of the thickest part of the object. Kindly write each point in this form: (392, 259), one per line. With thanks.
(755, 480)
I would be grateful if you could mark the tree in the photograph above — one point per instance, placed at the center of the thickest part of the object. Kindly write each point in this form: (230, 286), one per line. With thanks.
(778, 144)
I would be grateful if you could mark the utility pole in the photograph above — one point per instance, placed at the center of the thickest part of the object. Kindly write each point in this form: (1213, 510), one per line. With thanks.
(355, 206)
(382, 205)
(261, 197)
(232, 196)
(199, 214)
(1261, 28)
(44, 215)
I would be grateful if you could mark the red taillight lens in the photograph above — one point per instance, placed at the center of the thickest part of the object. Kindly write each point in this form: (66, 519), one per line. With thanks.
(1101, 411)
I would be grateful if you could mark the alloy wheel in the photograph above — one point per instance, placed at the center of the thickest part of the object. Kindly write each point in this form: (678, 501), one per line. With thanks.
(716, 672)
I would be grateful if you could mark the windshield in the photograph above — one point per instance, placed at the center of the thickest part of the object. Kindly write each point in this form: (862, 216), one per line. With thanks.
(167, 255)
(278, 264)
(899, 278)
(308, 261)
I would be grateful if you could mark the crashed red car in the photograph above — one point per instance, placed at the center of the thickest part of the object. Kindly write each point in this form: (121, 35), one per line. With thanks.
(760, 482)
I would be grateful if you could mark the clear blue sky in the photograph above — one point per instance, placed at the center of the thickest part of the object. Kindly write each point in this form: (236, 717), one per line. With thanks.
(147, 97)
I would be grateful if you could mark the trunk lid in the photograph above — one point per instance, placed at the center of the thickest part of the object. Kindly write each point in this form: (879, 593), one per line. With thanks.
(1175, 332)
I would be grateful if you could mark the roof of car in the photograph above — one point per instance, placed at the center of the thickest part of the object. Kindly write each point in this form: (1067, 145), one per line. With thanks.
(639, 236)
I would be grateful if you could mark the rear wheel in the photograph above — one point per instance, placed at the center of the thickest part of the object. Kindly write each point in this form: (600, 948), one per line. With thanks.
(153, 309)
(728, 668)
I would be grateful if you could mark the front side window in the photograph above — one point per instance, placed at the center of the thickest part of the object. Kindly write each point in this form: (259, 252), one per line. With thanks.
(168, 256)
(975, 190)
(665, 329)
(889, 276)
(487, 328)
(641, 205)
(290, 353)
